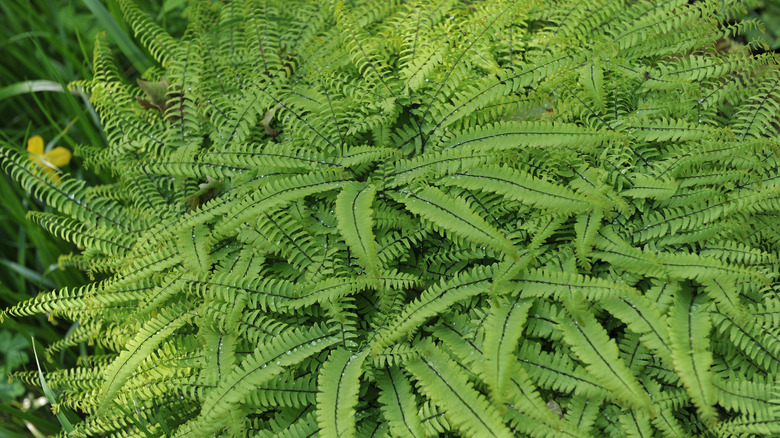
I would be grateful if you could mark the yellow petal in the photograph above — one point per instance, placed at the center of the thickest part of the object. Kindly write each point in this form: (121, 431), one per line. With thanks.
(58, 156)
(37, 160)
(35, 145)
(52, 174)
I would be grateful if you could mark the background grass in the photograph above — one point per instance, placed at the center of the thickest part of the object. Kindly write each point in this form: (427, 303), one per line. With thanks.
(45, 44)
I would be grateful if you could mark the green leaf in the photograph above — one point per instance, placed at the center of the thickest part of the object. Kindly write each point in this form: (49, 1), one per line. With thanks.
(25, 87)
(592, 345)
(266, 362)
(398, 403)
(152, 334)
(354, 214)
(689, 331)
(454, 215)
(441, 380)
(520, 186)
(503, 328)
(47, 391)
(339, 383)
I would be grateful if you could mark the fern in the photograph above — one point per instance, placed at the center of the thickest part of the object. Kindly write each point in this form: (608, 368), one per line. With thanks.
(338, 396)
(398, 402)
(368, 218)
(464, 406)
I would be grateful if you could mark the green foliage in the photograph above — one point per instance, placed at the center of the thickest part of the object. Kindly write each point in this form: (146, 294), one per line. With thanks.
(12, 348)
(500, 218)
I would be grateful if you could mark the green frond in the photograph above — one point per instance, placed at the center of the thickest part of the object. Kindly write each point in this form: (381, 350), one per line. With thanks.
(148, 338)
(503, 329)
(751, 397)
(288, 392)
(399, 404)
(440, 380)
(592, 345)
(159, 43)
(519, 186)
(354, 214)
(277, 193)
(66, 195)
(454, 215)
(327, 291)
(759, 345)
(337, 396)
(527, 134)
(587, 227)
(754, 117)
(290, 425)
(738, 253)
(669, 425)
(581, 412)
(536, 418)
(362, 49)
(261, 293)
(746, 425)
(194, 246)
(557, 371)
(689, 329)
(107, 241)
(694, 266)
(265, 363)
(672, 130)
(643, 318)
(432, 301)
(556, 284)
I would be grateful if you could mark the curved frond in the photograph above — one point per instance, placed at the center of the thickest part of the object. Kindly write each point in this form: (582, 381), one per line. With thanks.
(440, 379)
(689, 329)
(338, 393)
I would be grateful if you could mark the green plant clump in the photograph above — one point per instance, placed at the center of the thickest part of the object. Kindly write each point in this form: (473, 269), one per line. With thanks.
(414, 218)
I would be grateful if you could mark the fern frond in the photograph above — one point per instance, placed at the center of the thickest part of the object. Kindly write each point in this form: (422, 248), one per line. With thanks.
(66, 195)
(558, 372)
(689, 328)
(746, 396)
(503, 328)
(761, 346)
(265, 363)
(527, 134)
(639, 314)
(590, 342)
(276, 194)
(338, 393)
(440, 380)
(148, 338)
(159, 43)
(521, 187)
(398, 403)
(556, 284)
(354, 215)
(107, 241)
(454, 215)
(433, 300)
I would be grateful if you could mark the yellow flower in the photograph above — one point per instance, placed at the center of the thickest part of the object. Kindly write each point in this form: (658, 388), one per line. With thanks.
(50, 161)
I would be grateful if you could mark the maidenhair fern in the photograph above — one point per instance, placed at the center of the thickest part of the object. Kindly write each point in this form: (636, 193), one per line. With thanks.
(414, 218)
